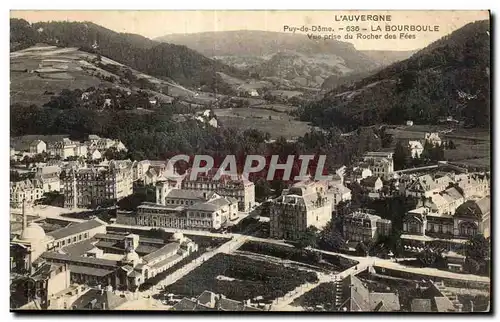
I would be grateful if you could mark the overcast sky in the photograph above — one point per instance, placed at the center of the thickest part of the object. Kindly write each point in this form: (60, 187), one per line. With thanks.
(158, 23)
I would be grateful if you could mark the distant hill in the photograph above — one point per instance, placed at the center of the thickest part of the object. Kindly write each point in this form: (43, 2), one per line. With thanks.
(387, 57)
(163, 60)
(293, 57)
(450, 77)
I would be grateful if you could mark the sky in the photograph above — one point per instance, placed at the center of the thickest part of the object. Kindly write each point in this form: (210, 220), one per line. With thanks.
(153, 24)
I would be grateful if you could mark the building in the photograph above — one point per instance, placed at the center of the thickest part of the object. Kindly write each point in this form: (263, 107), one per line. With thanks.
(470, 218)
(416, 148)
(364, 227)
(305, 204)
(426, 185)
(209, 301)
(37, 147)
(241, 189)
(120, 261)
(39, 288)
(380, 163)
(339, 193)
(89, 187)
(473, 185)
(372, 184)
(94, 154)
(103, 144)
(185, 209)
(27, 247)
(353, 296)
(48, 177)
(139, 169)
(433, 138)
(360, 172)
(29, 190)
(98, 299)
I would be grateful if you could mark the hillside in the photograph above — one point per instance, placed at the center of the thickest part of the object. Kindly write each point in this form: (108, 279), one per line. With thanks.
(166, 61)
(275, 54)
(387, 57)
(450, 77)
(37, 73)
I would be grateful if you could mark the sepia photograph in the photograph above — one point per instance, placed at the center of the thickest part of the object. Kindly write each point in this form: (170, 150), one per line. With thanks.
(266, 161)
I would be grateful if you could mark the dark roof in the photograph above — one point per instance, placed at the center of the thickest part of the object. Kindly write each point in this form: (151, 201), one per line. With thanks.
(206, 298)
(384, 302)
(474, 208)
(184, 305)
(79, 259)
(168, 248)
(421, 305)
(100, 272)
(369, 182)
(76, 228)
(79, 248)
(186, 194)
(94, 300)
(44, 271)
(230, 305)
(443, 304)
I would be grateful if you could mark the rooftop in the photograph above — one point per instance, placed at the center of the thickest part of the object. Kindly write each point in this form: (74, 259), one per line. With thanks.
(76, 228)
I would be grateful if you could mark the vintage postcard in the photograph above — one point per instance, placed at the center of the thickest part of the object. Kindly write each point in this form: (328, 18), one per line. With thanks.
(257, 161)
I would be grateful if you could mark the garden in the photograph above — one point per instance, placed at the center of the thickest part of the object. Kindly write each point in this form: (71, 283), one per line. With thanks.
(241, 278)
(324, 261)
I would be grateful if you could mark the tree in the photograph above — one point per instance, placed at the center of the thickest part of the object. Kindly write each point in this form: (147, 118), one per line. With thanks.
(400, 156)
(451, 145)
(471, 265)
(477, 248)
(308, 238)
(331, 238)
(363, 248)
(427, 257)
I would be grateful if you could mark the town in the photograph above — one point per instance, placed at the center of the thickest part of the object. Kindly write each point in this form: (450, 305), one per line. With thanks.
(81, 230)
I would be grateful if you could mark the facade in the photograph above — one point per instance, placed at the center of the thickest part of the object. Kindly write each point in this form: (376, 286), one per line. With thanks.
(444, 202)
(103, 144)
(49, 178)
(426, 185)
(433, 138)
(381, 163)
(363, 227)
(303, 205)
(241, 189)
(339, 193)
(87, 187)
(29, 190)
(416, 148)
(185, 209)
(470, 218)
(38, 146)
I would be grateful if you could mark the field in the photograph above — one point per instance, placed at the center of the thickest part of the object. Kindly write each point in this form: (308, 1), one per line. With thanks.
(241, 278)
(322, 295)
(37, 73)
(277, 124)
(315, 260)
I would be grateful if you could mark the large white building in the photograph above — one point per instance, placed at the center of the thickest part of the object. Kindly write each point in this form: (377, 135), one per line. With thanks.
(242, 190)
(305, 204)
(87, 187)
(184, 209)
(29, 190)
(38, 146)
(68, 148)
(381, 163)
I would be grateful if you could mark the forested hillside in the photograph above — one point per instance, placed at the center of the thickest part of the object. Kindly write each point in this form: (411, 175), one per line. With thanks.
(178, 63)
(450, 77)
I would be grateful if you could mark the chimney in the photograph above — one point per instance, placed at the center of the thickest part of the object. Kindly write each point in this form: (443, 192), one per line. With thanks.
(471, 306)
(103, 305)
(25, 219)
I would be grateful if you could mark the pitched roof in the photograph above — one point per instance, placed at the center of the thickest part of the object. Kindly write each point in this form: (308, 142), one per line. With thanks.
(86, 270)
(389, 301)
(94, 299)
(474, 208)
(186, 194)
(184, 305)
(369, 181)
(443, 304)
(76, 228)
(421, 305)
(168, 248)
(79, 259)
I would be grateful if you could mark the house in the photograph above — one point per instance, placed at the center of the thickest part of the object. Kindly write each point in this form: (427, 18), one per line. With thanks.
(470, 218)
(416, 148)
(355, 297)
(98, 299)
(339, 193)
(363, 227)
(29, 190)
(361, 172)
(426, 185)
(37, 146)
(94, 154)
(49, 178)
(209, 301)
(433, 138)
(305, 204)
(380, 163)
(444, 202)
(372, 184)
